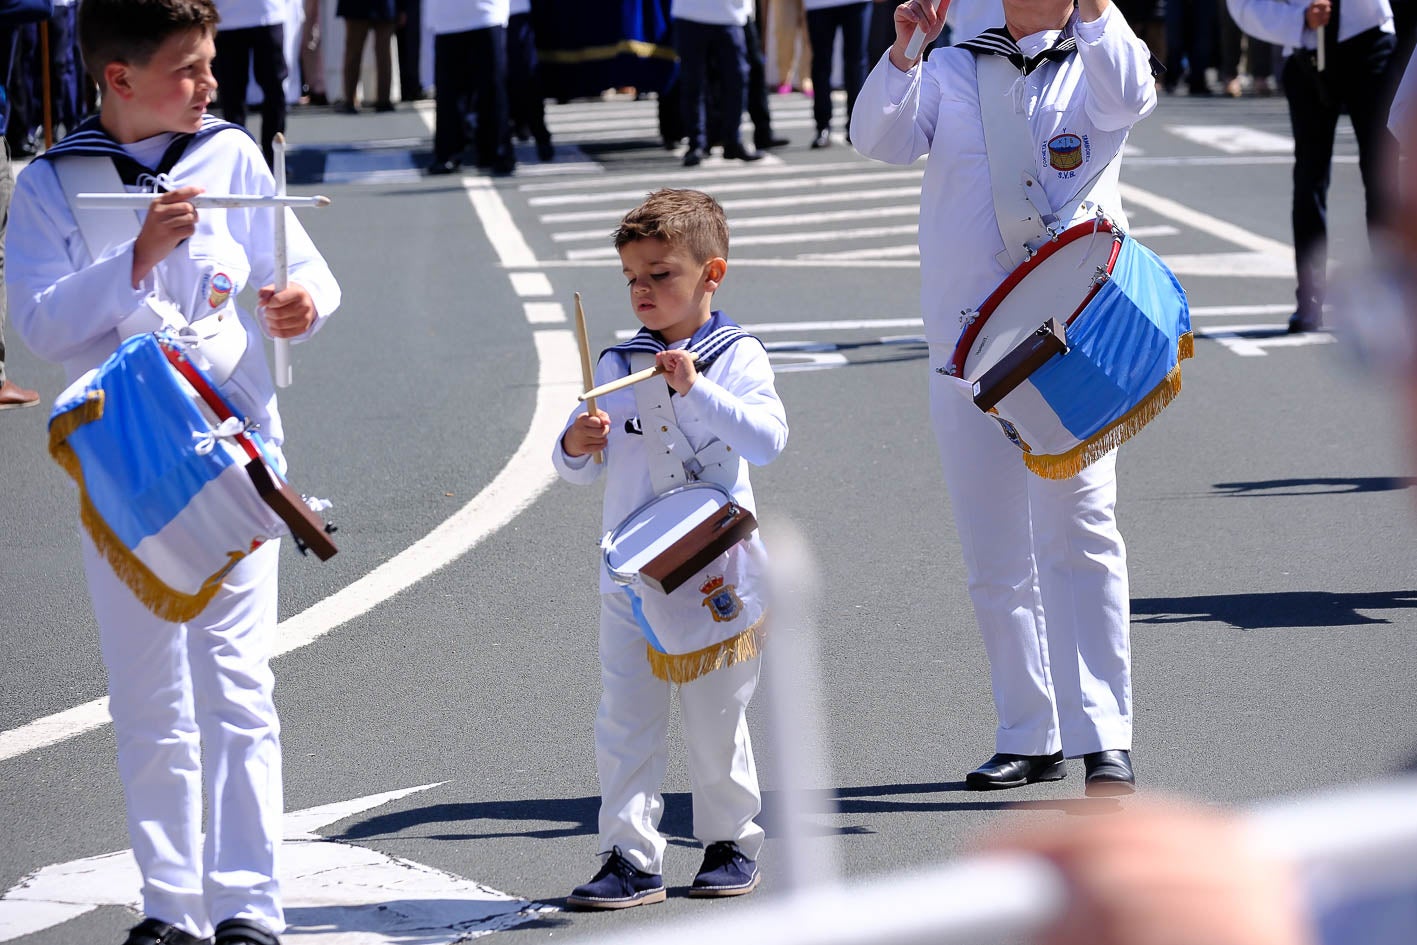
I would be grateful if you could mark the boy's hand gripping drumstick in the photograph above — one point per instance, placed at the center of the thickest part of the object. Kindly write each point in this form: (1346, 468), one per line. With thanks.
(587, 375)
(629, 379)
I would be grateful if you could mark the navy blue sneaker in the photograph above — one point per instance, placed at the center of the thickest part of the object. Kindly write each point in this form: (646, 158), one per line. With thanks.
(157, 932)
(726, 872)
(619, 885)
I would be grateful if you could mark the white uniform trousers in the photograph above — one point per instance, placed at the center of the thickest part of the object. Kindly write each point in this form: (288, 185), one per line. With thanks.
(631, 751)
(1035, 546)
(191, 704)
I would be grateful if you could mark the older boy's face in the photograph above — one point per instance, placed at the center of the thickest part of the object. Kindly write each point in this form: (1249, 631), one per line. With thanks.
(669, 290)
(171, 91)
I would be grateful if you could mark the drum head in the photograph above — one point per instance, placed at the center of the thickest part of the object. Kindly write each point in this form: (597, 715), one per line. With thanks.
(1057, 282)
(659, 523)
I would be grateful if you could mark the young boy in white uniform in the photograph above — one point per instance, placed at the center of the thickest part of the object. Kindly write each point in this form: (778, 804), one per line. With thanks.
(716, 415)
(1032, 546)
(191, 702)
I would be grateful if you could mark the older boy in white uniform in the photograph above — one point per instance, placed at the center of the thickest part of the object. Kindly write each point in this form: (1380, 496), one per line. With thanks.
(714, 418)
(1032, 546)
(191, 702)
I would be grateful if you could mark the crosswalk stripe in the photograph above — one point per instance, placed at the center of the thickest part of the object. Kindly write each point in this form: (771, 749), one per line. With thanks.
(733, 205)
(734, 187)
(748, 223)
(734, 171)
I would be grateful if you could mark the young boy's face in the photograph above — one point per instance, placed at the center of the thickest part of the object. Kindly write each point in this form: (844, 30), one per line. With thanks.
(171, 91)
(669, 290)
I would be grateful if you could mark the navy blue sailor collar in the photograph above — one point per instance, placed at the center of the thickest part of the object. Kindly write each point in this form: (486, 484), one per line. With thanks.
(92, 140)
(710, 340)
(998, 41)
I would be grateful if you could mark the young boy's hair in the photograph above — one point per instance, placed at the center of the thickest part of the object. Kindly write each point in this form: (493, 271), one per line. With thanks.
(688, 218)
(130, 31)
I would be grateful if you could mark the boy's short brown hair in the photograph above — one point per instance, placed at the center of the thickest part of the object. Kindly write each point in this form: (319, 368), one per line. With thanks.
(130, 31)
(688, 218)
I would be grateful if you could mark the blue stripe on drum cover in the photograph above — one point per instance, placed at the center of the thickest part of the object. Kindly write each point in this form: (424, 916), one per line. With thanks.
(139, 464)
(1120, 348)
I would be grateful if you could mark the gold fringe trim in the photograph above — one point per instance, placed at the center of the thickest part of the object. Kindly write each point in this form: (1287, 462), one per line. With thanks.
(165, 602)
(686, 667)
(634, 47)
(1069, 464)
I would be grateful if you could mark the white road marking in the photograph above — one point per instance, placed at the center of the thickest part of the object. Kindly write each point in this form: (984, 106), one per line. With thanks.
(752, 223)
(545, 313)
(507, 240)
(1230, 265)
(335, 893)
(1235, 139)
(531, 284)
(1206, 223)
(728, 172)
(732, 206)
(1251, 341)
(737, 186)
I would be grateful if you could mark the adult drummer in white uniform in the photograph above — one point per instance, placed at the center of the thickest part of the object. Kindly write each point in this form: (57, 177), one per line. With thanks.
(1038, 551)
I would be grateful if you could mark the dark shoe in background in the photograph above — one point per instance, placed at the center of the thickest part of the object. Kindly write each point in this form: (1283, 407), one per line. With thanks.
(823, 139)
(736, 152)
(157, 932)
(693, 157)
(448, 166)
(770, 142)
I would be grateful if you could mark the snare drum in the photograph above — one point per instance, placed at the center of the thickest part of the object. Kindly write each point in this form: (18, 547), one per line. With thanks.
(686, 559)
(173, 489)
(1128, 328)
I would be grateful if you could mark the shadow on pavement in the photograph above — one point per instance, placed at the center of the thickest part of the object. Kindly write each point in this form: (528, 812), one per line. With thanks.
(1281, 610)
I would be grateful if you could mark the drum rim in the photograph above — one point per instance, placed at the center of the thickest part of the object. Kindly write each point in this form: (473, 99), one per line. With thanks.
(1001, 291)
(605, 542)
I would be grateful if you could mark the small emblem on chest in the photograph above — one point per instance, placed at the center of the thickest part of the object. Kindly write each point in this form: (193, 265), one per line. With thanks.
(1065, 152)
(220, 290)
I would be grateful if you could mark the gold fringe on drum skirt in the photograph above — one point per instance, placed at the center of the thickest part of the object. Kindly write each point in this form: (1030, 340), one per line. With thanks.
(1075, 460)
(686, 667)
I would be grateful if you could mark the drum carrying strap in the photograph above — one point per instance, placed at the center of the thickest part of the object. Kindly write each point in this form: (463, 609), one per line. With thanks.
(672, 460)
(1021, 207)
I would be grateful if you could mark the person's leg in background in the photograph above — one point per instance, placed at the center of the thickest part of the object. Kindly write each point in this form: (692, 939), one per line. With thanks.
(1313, 116)
(268, 63)
(691, 42)
(821, 34)
(758, 111)
(855, 30)
(11, 394)
(489, 83)
(526, 100)
(1229, 67)
(410, 38)
(312, 56)
(451, 55)
(383, 66)
(355, 34)
(232, 69)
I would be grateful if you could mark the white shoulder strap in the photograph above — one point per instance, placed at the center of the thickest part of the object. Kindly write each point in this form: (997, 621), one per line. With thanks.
(95, 174)
(1021, 207)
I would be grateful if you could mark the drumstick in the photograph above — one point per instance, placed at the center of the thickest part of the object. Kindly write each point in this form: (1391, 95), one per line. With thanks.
(628, 380)
(912, 49)
(587, 375)
(282, 347)
(200, 202)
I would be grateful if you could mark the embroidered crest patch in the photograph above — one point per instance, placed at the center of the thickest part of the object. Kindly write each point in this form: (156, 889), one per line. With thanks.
(721, 599)
(220, 290)
(1011, 432)
(1065, 152)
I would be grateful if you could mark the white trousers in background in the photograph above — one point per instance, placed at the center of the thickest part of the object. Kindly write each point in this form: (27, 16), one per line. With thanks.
(1035, 547)
(631, 750)
(191, 706)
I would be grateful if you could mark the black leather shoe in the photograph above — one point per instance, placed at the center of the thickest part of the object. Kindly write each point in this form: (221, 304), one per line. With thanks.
(1109, 773)
(243, 932)
(504, 167)
(450, 166)
(545, 151)
(1006, 771)
(157, 932)
(1301, 322)
(693, 157)
(736, 152)
(770, 142)
(823, 139)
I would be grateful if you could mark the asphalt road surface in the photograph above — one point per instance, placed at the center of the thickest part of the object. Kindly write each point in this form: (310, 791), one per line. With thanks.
(450, 646)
